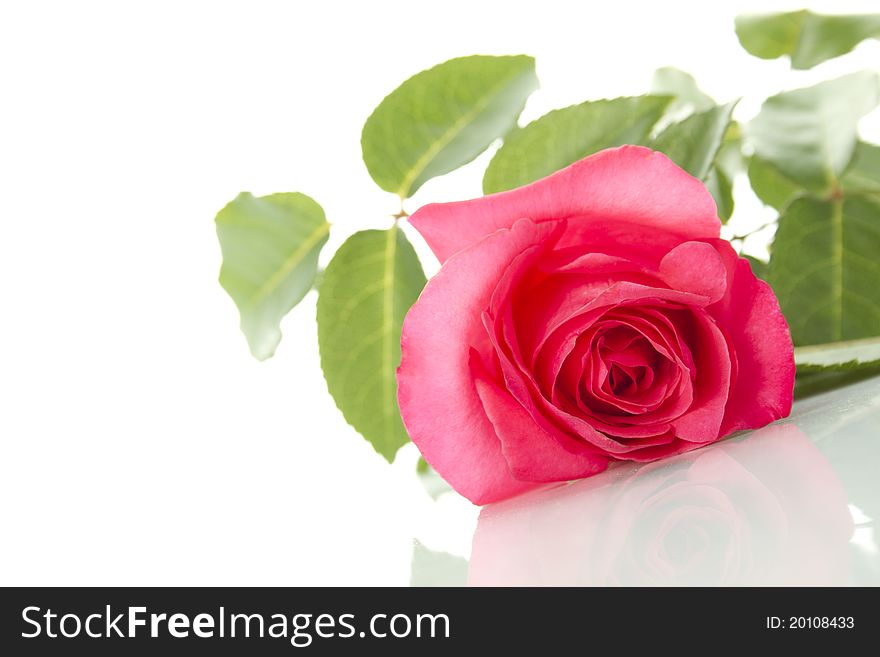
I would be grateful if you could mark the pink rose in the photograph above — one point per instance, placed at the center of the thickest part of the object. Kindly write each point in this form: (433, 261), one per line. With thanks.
(767, 510)
(589, 317)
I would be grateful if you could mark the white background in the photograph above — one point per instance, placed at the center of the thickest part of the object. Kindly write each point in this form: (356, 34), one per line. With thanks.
(141, 443)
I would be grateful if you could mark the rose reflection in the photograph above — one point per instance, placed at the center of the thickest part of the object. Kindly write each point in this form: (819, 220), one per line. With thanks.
(763, 510)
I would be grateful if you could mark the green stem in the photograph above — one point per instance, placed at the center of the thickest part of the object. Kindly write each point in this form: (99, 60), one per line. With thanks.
(743, 236)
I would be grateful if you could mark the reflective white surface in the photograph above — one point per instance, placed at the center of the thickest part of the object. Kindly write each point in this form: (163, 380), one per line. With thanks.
(795, 503)
(141, 443)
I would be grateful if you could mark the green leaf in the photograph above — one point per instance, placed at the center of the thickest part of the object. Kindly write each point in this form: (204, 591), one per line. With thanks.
(693, 143)
(730, 158)
(442, 118)
(270, 251)
(566, 135)
(847, 354)
(433, 483)
(759, 268)
(721, 188)
(370, 283)
(825, 268)
(863, 174)
(810, 134)
(430, 568)
(729, 163)
(813, 380)
(776, 190)
(826, 366)
(770, 185)
(687, 96)
(690, 100)
(807, 38)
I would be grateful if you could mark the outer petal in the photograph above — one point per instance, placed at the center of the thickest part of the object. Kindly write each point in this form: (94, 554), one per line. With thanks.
(695, 267)
(758, 332)
(438, 399)
(629, 184)
(534, 454)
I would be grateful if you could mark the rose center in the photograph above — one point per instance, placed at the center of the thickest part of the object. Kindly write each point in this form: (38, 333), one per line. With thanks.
(629, 362)
(619, 369)
(625, 380)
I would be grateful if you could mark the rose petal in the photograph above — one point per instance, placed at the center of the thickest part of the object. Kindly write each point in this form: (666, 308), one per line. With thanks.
(755, 326)
(434, 379)
(655, 327)
(563, 320)
(712, 364)
(695, 267)
(678, 393)
(532, 453)
(565, 280)
(671, 447)
(522, 386)
(625, 185)
(586, 365)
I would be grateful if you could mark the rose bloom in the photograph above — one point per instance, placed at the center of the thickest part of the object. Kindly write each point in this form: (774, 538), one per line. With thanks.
(592, 316)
